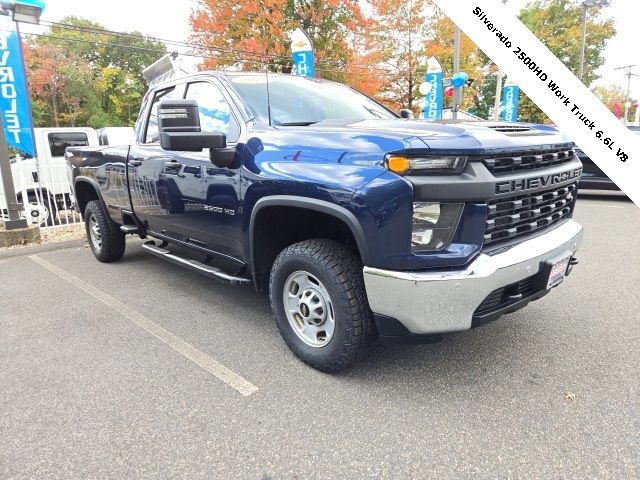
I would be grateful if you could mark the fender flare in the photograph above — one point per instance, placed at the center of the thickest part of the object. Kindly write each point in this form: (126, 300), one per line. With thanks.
(307, 203)
(90, 181)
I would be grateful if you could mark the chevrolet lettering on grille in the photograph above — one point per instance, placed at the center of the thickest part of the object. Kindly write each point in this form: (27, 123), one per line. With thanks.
(524, 184)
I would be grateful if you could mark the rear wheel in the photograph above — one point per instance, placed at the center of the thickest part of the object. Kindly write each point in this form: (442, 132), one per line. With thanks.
(319, 303)
(106, 240)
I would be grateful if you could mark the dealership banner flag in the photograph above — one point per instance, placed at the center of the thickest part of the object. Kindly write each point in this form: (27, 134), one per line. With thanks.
(432, 90)
(553, 87)
(510, 94)
(14, 99)
(303, 61)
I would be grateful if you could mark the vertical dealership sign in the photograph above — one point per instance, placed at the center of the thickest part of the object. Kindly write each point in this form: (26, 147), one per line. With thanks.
(432, 90)
(510, 96)
(302, 49)
(14, 99)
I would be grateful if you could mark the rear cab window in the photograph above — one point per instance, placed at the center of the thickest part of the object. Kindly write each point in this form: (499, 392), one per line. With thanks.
(59, 141)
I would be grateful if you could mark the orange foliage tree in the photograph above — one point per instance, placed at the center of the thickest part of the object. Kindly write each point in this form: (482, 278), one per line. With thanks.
(247, 34)
(399, 30)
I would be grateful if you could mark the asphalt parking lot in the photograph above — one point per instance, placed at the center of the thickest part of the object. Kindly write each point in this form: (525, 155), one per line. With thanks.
(142, 369)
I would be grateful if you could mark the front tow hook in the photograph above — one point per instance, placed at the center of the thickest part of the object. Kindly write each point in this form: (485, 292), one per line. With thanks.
(572, 263)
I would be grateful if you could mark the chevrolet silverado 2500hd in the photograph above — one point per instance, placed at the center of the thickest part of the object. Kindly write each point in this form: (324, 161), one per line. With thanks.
(357, 223)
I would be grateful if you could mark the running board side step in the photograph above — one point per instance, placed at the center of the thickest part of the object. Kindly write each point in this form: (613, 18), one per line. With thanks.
(129, 229)
(194, 265)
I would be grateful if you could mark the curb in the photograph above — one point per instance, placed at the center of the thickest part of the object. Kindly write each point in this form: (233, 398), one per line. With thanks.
(30, 250)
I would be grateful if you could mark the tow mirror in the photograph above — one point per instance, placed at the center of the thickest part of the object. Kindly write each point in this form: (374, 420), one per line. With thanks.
(406, 113)
(179, 128)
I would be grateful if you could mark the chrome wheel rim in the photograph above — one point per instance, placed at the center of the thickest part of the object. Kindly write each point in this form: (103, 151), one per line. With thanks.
(309, 309)
(94, 232)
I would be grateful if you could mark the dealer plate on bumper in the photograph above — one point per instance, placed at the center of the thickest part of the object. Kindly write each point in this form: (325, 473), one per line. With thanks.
(557, 269)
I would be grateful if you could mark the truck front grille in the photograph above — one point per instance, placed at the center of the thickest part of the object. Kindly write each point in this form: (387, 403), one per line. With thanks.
(512, 217)
(516, 162)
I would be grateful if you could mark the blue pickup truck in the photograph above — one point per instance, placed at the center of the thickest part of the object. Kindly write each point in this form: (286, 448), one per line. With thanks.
(358, 223)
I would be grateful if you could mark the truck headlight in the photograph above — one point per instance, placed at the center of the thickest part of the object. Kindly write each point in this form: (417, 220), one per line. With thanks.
(434, 225)
(401, 164)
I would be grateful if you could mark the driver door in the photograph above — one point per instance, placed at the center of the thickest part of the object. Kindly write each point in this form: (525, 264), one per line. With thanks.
(211, 195)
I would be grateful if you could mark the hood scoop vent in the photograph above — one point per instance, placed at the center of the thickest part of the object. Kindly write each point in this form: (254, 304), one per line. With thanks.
(509, 128)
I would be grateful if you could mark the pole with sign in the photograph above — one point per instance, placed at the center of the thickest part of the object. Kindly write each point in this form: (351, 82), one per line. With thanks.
(15, 119)
(432, 91)
(16, 126)
(302, 49)
(510, 96)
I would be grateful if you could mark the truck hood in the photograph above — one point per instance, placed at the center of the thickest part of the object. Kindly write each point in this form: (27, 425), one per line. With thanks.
(474, 137)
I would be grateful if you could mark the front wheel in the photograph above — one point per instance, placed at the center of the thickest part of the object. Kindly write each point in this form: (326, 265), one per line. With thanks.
(319, 303)
(106, 240)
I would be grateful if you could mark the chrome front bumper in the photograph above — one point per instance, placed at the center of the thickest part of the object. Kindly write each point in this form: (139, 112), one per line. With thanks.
(441, 302)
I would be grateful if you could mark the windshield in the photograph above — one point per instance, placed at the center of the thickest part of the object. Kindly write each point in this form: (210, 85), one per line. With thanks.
(303, 101)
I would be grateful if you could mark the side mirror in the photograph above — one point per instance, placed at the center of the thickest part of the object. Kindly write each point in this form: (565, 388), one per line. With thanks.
(406, 113)
(179, 128)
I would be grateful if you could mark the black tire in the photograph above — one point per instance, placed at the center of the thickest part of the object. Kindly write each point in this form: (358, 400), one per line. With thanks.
(111, 243)
(340, 272)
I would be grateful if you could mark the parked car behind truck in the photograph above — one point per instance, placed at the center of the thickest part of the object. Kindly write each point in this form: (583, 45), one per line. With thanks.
(356, 222)
(593, 178)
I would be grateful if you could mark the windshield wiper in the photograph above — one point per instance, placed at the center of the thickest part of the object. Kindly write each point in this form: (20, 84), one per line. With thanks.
(293, 124)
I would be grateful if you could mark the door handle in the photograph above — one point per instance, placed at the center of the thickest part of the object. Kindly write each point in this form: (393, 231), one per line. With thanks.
(134, 162)
(172, 164)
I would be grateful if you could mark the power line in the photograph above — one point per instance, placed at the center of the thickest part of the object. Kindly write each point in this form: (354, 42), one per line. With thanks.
(125, 35)
(162, 51)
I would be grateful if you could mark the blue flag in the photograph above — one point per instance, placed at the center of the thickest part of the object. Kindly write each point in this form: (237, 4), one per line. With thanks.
(14, 99)
(510, 94)
(302, 52)
(432, 90)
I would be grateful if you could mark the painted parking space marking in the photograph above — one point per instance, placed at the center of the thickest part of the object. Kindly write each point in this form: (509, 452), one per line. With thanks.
(598, 205)
(212, 366)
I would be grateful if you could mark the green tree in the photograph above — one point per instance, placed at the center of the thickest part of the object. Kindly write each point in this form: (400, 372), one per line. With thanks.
(60, 93)
(558, 24)
(112, 66)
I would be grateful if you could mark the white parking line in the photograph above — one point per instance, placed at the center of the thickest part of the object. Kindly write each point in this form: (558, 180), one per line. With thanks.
(597, 205)
(228, 376)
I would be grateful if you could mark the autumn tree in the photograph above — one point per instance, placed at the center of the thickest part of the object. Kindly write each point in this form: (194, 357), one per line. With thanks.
(472, 62)
(612, 95)
(400, 29)
(60, 92)
(81, 75)
(247, 34)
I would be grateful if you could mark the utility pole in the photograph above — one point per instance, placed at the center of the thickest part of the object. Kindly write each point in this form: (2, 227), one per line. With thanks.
(496, 105)
(457, 91)
(627, 101)
(585, 5)
(583, 40)
(498, 102)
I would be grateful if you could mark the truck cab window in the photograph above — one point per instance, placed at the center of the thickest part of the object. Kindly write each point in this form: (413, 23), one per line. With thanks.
(58, 142)
(215, 113)
(151, 135)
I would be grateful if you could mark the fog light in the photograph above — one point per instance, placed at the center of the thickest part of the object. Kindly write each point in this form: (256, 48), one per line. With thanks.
(434, 225)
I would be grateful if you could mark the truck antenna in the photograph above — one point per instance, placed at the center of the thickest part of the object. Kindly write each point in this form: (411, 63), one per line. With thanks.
(266, 74)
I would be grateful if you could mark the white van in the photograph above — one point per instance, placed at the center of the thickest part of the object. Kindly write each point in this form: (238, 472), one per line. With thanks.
(43, 181)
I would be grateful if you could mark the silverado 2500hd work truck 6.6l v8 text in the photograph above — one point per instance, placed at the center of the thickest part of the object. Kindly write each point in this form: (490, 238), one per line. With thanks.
(357, 223)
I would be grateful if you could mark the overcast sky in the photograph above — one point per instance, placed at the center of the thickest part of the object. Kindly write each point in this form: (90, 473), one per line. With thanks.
(169, 19)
